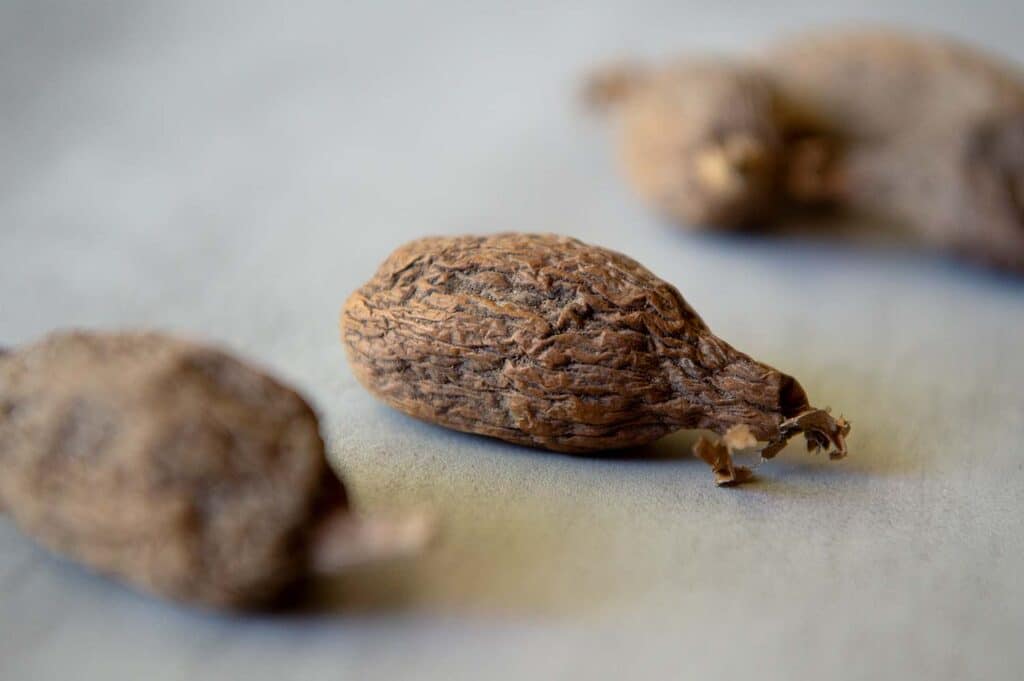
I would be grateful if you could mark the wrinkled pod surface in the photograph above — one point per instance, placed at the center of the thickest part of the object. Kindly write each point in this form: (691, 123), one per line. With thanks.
(171, 466)
(545, 341)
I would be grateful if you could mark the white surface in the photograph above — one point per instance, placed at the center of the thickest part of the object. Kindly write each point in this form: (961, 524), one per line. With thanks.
(234, 174)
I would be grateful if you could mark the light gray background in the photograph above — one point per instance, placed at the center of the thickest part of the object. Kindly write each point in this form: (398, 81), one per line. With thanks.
(234, 170)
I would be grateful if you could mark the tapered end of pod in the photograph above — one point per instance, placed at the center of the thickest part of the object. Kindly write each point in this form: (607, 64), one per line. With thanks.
(343, 540)
(612, 84)
(822, 431)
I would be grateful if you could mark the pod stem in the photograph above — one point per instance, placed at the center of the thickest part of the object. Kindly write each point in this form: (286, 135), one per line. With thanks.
(343, 540)
(821, 429)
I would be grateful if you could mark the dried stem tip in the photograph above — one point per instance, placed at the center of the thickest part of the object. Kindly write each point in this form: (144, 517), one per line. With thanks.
(822, 430)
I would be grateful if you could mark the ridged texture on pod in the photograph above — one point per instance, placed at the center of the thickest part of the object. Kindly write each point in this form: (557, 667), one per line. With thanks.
(166, 464)
(546, 341)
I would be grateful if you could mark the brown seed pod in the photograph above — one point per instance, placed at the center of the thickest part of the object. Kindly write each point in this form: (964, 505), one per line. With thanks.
(699, 139)
(174, 467)
(545, 341)
(920, 131)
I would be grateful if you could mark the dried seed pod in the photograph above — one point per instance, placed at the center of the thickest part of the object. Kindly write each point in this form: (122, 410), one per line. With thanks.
(700, 140)
(545, 341)
(173, 467)
(919, 131)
